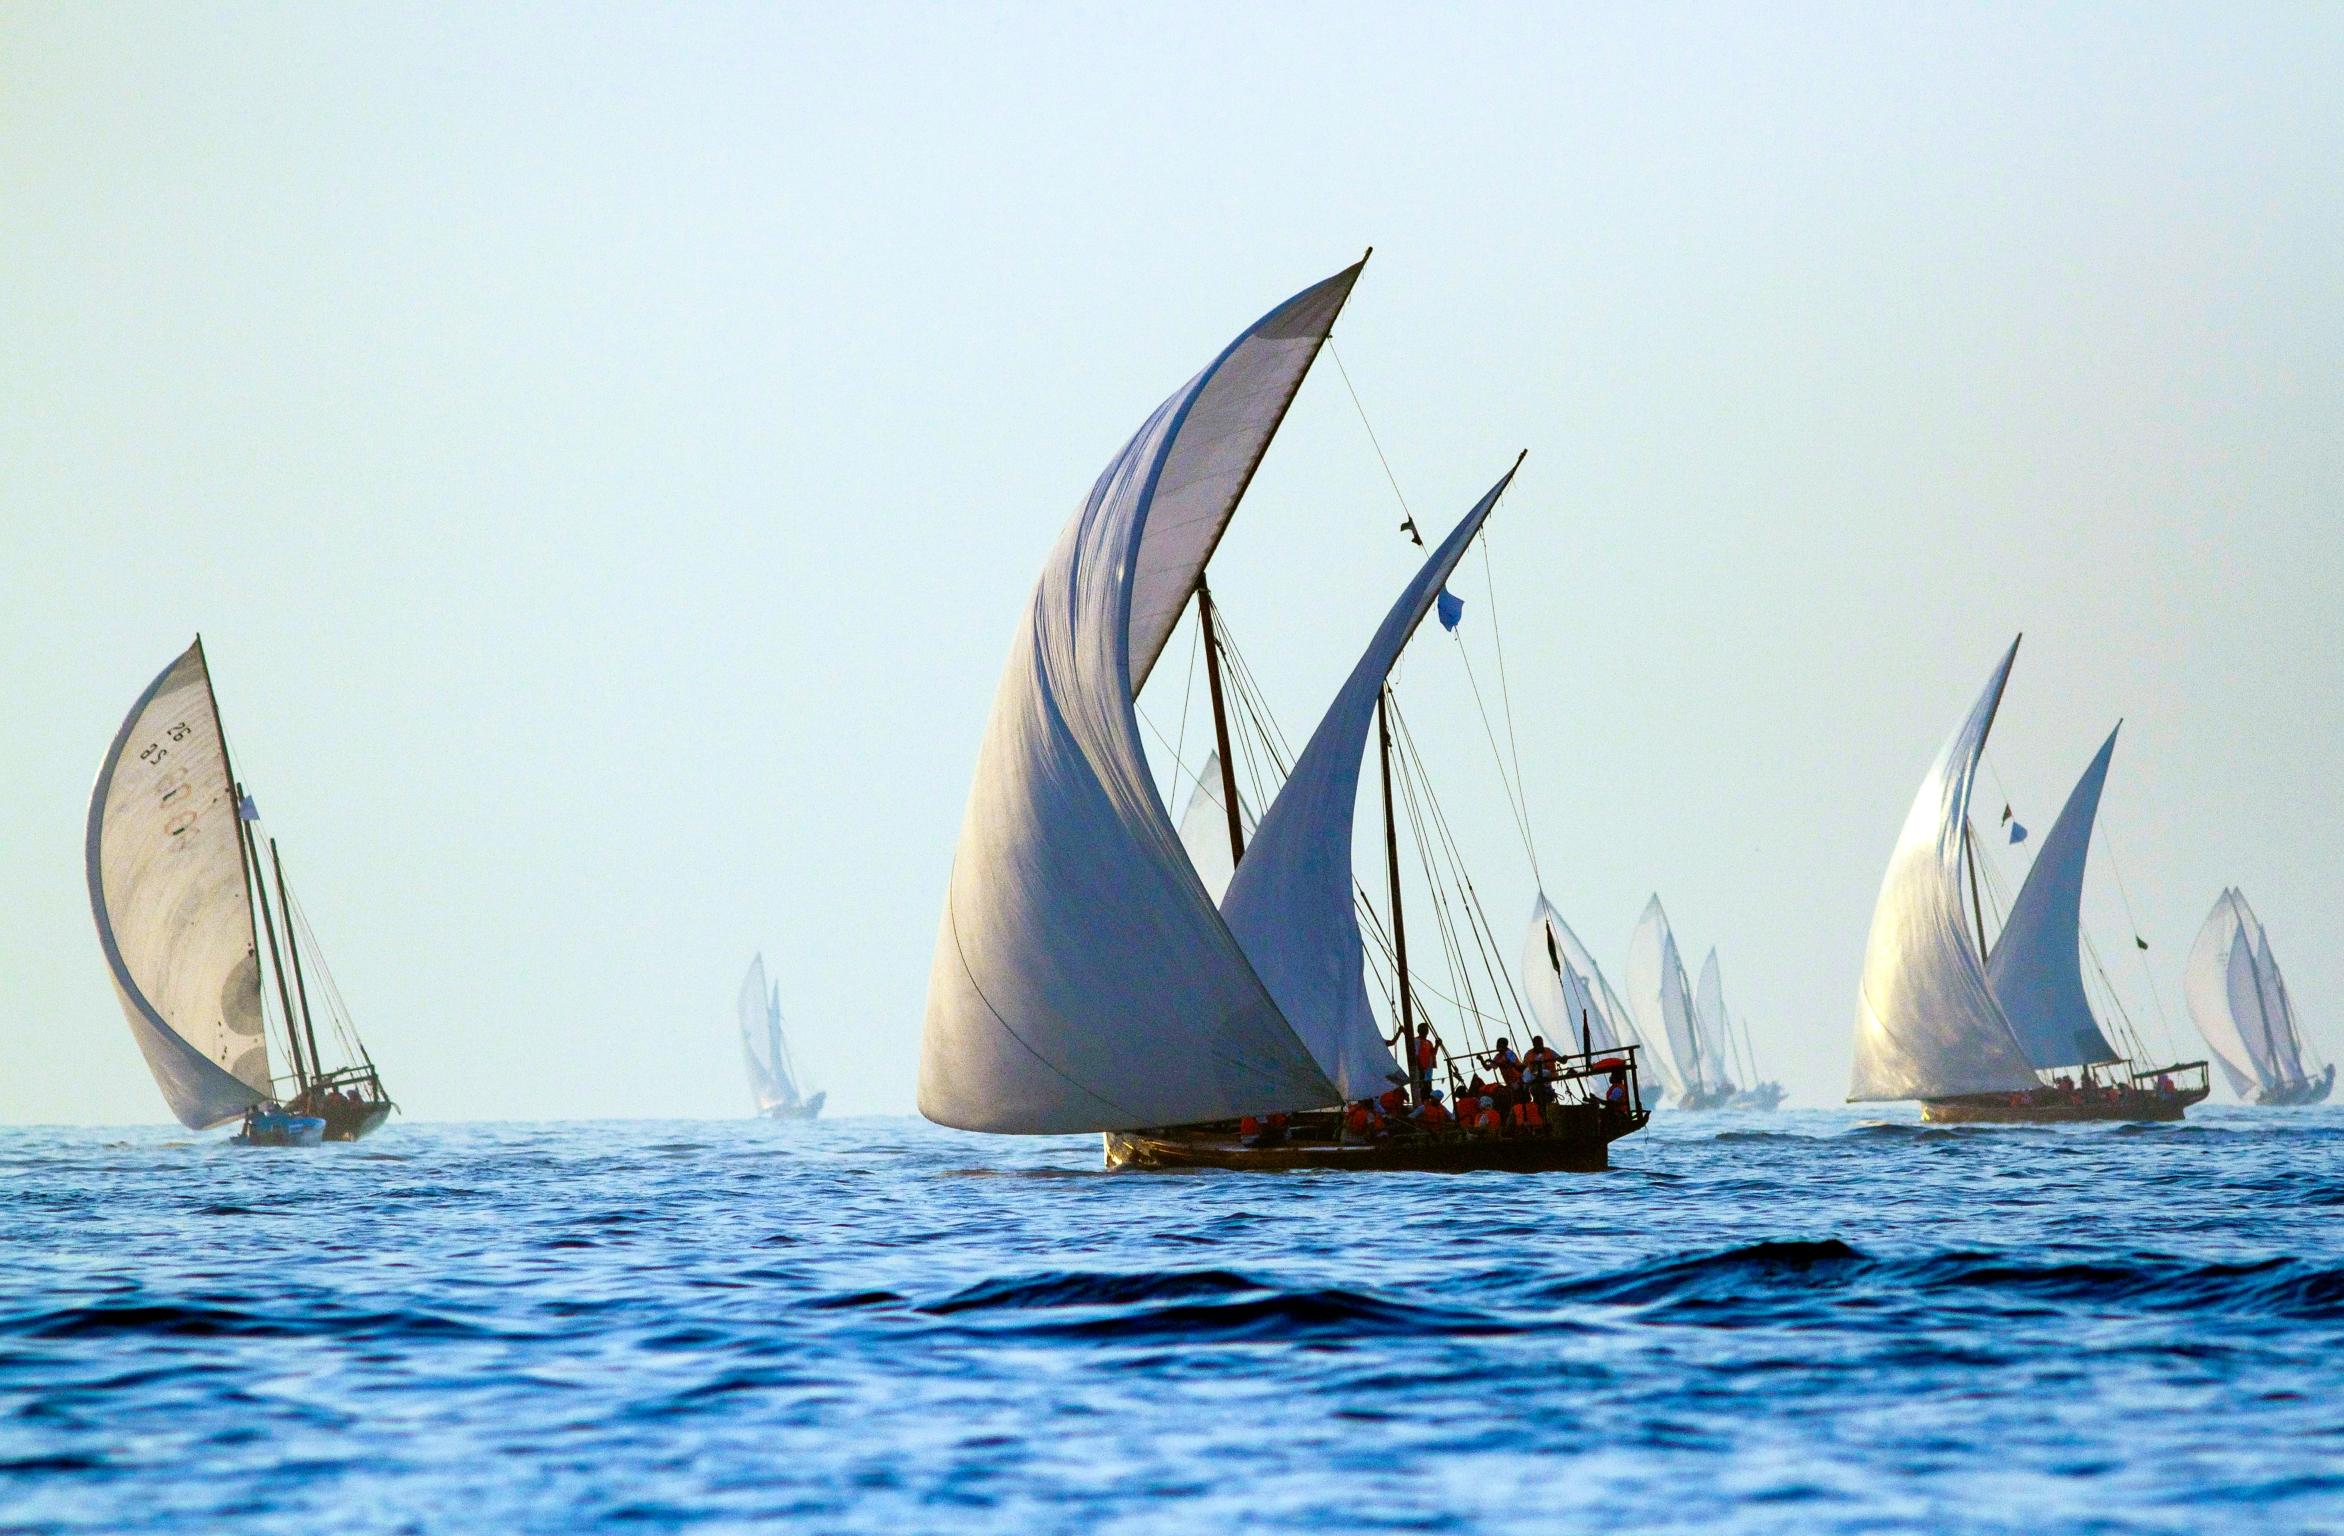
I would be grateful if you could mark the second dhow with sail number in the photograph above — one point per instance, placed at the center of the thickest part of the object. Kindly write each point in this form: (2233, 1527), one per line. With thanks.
(1085, 980)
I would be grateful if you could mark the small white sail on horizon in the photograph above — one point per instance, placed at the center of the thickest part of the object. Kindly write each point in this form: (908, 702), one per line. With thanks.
(170, 890)
(2036, 967)
(2239, 1003)
(1927, 1021)
(774, 1083)
(1715, 1027)
(1661, 998)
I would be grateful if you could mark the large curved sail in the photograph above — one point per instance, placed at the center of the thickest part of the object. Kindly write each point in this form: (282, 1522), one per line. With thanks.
(1083, 980)
(1661, 997)
(1290, 903)
(165, 860)
(2037, 964)
(2223, 950)
(1927, 1024)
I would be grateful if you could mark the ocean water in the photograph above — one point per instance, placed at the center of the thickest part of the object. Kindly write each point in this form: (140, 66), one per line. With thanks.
(1810, 1321)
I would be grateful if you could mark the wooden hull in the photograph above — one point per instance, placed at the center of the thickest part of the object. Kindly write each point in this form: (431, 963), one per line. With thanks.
(2052, 1108)
(1577, 1139)
(351, 1122)
(805, 1109)
(2313, 1091)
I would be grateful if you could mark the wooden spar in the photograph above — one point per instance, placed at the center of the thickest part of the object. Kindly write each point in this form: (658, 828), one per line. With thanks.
(293, 948)
(1204, 614)
(1383, 731)
(1969, 847)
(260, 890)
(235, 801)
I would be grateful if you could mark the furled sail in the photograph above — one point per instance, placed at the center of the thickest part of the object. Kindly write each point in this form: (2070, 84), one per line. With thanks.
(1927, 1024)
(771, 1083)
(1663, 999)
(1612, 1024)
(1083, 980)
(1709, 1016)
(2037, 963)
(165, 858)
(1290, 904)
(1204, 829)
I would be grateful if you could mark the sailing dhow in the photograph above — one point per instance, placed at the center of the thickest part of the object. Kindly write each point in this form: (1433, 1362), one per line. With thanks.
(2242, 1006)
(773, 1075)
(183, 904)
(1720, 1040)
(1943, 1018)
(1663, 999)
(1085, 980)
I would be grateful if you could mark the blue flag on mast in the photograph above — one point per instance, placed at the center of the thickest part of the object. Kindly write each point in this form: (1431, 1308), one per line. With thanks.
(1451, 607)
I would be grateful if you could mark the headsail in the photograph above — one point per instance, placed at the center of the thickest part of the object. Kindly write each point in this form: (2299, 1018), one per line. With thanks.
(2037, 964)
(1290, 904)
(1083, 980)
(2287, 1044)
(1663, 999)
(1927, 1024)
(1204, 829)
(167, 879)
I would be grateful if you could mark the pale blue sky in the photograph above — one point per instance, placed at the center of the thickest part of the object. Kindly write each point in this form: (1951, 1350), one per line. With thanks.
(605, 451)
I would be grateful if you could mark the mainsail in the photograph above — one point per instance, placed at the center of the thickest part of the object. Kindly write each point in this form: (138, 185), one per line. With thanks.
(1609, 1024)
(2037, 964)
(2239, 1002)
(168, 887)
(1927, 1024)
(1290, 904)
(1204, 829)
(1663, 999)
(1083, 979)
(1716, 1027)
(771, 1082)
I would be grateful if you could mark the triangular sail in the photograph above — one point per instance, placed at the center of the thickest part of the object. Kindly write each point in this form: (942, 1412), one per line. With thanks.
(1610, 1015)
(1662, 998)
(769, 1080)
(2037, 964)
(2286, 1046)
(1083, 980)
(165, 857)
(1290, 904)
(1204, 829)
(1716, 1028)
(2217, 978)
(1927, 1024)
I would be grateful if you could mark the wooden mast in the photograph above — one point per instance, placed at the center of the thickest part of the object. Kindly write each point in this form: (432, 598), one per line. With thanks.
(1204, 614)
(1969, 845)
(236, 809)
(259, 882)
(293, 948)
(1383, 731)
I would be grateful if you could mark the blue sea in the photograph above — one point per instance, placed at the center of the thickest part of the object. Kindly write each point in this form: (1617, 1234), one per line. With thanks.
(1812, 1321)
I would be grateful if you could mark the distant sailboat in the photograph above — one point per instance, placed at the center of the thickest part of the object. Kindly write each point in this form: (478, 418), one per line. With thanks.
(1085, 979)
(1663, 1001)
(183, 902)
(773, 1076)
(1570, 999)
(1936, 1021)
(1719, 1040)
(2241, 1005)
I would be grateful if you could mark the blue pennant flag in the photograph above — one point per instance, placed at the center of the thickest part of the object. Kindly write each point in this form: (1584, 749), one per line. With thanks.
(2018, 831)
(1452, 608)
(246, 810)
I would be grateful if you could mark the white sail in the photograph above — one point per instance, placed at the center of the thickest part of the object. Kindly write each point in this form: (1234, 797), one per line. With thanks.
(1716, 1029)
(1611, 1018)
(1566, 1003)
(2037, 963)
(771, 1083)
(1290, 903)
(165, 861)
(1661, 997)
(2218, 975)
(1927, 1024)
(1204, 830)
(1083, 980)
(2287, 1046)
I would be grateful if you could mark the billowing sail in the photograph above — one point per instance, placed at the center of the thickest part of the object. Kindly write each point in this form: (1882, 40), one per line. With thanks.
(1927, 1024)
(771, 1083)
(1709, 1016)
(1204, 830)
(2239, 1002)
(1611, 1019)
(1290, 904)
(1663, 999)
(1083, 980)
(167, 880)
(1569, 1002)
(2037, 964)
(2286, 1044)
